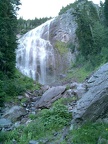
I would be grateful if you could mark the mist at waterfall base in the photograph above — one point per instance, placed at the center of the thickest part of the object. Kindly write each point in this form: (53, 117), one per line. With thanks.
(35, 55)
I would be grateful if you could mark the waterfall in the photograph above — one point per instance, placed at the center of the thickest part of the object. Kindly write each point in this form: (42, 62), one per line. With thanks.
(35, 54)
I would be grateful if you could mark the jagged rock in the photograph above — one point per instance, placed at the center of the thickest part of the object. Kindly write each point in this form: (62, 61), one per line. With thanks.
(79, 90)
(34, 99)
(68, 93)
(20, 97)
(17, 124)
(102, 121)
(50, 96)
(44, 88)
(37, 92)
(62, 76)
(94, 103)
(76, 89)
(15, 113)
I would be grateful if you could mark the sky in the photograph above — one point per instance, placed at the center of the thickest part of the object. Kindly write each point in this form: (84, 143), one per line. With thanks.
(31, 9)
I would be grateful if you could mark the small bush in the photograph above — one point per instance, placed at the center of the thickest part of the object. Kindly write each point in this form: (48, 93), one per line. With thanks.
(56, 117)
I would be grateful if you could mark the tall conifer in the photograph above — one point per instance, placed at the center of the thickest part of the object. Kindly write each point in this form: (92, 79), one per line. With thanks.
(8, 27)
(106, 12)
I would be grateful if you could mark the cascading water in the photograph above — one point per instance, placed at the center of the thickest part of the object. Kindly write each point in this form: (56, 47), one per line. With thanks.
(35, 55)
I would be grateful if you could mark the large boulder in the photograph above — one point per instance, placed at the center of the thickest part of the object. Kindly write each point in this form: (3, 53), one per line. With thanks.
(15, 113)
(5, 123)
(94, 103)
(50, 96)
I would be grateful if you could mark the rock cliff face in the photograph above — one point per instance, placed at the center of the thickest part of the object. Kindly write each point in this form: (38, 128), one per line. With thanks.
(62, 33)
(43, 53)
(94, 103)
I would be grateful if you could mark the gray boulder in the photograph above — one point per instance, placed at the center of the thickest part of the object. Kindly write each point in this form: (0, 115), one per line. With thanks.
(94, 103)
(5, 123)
(78, 89)
(75, 89)
(50, 96)
(15, 113)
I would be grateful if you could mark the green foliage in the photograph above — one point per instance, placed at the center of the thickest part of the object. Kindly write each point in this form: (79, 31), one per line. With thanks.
(8, 27)
(99, 34)
(61, 47)
(104, 54)
(57, 117)
(64, 9)
(13, 87)
(79, 74)
(71, 46)
(32, 116)
(2, 93)
(106, 12)
(90, 133)
(92, 35)
(44, 124)
(93, 11)
(84, 30)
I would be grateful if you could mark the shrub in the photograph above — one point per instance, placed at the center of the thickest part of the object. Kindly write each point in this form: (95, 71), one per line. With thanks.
(57, 117)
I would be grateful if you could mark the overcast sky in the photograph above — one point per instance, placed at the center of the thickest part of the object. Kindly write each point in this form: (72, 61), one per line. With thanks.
(43, 8)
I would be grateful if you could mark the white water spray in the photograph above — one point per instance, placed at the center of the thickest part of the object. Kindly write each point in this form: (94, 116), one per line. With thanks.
(35, 55)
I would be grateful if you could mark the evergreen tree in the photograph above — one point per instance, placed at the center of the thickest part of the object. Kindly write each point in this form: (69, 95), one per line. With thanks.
(106, 12)
(8, 27)
(84, 30)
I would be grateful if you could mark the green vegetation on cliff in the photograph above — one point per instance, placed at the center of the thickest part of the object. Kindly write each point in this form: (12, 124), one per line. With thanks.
(61, 47)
